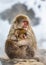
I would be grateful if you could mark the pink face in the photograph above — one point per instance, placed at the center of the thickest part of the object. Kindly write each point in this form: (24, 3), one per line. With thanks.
(25, 24)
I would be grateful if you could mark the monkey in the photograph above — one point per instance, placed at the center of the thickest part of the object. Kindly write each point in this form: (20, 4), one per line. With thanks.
(21, 41)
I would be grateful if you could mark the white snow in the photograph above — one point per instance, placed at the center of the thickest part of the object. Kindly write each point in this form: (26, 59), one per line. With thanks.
(4, 29)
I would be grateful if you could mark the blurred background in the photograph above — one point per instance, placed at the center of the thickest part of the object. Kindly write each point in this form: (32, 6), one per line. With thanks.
(35, 9)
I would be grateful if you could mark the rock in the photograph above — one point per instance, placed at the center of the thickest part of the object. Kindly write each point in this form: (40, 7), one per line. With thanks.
(21, 62)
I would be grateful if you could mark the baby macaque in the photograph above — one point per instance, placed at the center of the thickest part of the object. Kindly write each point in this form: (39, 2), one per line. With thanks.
(21, 42)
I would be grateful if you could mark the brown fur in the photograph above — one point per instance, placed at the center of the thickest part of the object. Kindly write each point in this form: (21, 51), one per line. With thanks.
(18, 47)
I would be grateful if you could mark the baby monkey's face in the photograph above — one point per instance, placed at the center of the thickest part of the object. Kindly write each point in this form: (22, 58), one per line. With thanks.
(20, 34)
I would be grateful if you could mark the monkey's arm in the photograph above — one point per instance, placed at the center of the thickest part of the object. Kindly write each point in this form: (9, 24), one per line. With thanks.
(10, 48)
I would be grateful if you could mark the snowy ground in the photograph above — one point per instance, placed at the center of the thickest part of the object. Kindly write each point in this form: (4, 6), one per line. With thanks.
(39, 30)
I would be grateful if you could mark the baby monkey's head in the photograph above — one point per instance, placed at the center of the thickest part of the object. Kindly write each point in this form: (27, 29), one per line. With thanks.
(21, 34)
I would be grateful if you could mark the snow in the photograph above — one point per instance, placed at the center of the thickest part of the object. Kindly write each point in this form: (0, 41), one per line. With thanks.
(40, 33)
(4, 29)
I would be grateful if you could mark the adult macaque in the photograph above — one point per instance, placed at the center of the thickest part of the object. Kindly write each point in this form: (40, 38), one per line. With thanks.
(21, 42)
